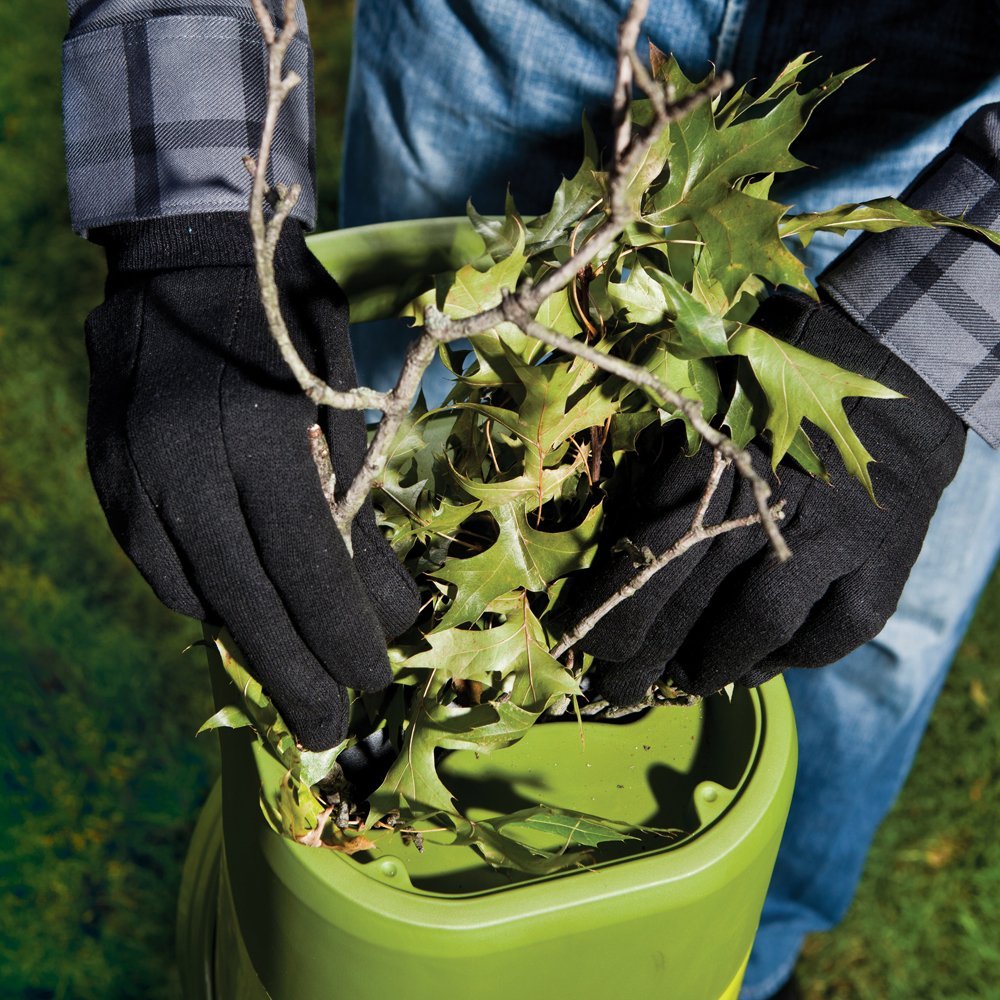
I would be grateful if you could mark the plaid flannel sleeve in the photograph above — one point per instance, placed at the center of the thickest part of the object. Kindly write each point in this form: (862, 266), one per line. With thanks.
(163, 98)
(932, 296)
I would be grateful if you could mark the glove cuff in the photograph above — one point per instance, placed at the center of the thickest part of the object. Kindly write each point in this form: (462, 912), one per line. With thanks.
(214, 239)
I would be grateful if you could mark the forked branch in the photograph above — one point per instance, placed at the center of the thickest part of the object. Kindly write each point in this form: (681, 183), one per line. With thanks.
(650, 564)
(518, 307)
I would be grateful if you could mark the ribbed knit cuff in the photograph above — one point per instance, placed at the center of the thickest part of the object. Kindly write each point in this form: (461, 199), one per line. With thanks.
(219, 239)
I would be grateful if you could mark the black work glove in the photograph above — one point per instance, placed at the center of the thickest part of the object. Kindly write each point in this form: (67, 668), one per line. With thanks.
(728, 610)
(197, 446)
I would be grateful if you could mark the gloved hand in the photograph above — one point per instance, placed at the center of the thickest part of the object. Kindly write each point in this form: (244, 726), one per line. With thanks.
(728, 610)
(197, 446)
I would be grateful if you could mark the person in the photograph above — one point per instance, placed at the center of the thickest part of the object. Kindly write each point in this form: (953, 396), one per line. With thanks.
(191, 410)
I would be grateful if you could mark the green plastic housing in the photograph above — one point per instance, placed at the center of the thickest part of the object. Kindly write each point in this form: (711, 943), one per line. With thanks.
(672, 917)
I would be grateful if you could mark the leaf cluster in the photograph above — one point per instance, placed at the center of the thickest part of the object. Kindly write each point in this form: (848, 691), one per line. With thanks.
(495, 498)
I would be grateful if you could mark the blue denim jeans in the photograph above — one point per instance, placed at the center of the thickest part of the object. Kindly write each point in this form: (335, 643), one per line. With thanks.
(450, 99)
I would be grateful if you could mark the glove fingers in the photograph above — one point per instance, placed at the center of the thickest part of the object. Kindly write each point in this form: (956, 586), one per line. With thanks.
(137, 527)
(390, 589)
(853, 611)
(322, 307)
(756, 610)
(208, 525)
(297, 543)
(111, 335)
(626, 682)
(623, 631)
(773, 615)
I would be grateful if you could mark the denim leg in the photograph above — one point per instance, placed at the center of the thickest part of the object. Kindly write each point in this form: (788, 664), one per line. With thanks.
(860, 722)
(456, 99)
(451, 100)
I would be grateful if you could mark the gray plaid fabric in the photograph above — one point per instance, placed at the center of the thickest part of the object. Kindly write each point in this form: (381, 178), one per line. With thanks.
(163, 98)
(933, 296)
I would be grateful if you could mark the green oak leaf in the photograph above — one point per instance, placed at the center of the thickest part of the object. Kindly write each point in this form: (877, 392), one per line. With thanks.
(413, 776)
(747, 414)
(527, 491)
(574, 199)
(696, 379)
(640, 296)
(405, 497)
(468, 449)
(521, 557)
(483, 728)
(746, 229)
(501, 851)
(472, 292)
(650, 296)
(742, 100)
(422, 435)
(503, 236)
(800, 386)
(697, 331)
(708, 161)
(557, 314)
(227, 717)
(802, 451)
(442, 520)
(446, 518)
(543, 421)
(683, 249)
(519, 646)
(874, 216)
(759, 188)
(625, 430)
(565, 825)
(294, 811)
(644, 174)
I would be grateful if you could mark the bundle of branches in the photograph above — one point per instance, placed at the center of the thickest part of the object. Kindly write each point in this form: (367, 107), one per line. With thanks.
(627, 306)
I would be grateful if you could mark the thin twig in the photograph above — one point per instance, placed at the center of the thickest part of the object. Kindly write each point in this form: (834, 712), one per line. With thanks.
(395, 409)
(687, 541)
(324, 466)
(719, 463)
(696, 532)
(621, 115)
(266, 233)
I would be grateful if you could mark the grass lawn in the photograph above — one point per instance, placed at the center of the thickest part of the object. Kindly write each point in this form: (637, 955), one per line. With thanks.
(102, 776)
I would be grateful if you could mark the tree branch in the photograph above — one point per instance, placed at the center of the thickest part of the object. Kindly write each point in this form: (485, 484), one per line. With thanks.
(518, 307)
(324, 466)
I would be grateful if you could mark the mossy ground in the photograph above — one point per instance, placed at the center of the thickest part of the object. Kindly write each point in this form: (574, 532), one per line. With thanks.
(101, 774)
